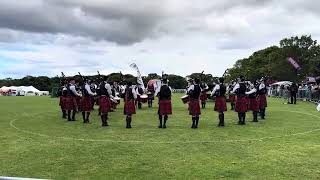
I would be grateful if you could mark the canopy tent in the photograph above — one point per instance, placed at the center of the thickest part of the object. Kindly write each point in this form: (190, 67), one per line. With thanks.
(19, 91)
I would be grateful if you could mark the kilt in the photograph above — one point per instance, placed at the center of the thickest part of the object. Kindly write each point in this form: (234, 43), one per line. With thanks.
(262, 101)
(63, 102)
(86, 104)
(220, 105)
(241, 104)
(232, 98)
(104, 104)
(129, 107)
(71, 103)
(203, 97)
(194, 107)
(165, 107)
(253, 104)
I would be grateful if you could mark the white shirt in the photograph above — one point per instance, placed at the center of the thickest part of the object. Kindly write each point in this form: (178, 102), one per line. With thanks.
(108, 88)
(251, 91)
(87, 87)
(237, 86)
(261, 86)
(73, 89)
(191, 88)
(216, 88)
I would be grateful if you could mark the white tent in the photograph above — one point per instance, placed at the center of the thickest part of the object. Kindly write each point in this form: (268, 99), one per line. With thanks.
(20, 91)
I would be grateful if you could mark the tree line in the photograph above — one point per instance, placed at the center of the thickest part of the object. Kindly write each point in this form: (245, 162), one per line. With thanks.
(270, 62)
(44, 83)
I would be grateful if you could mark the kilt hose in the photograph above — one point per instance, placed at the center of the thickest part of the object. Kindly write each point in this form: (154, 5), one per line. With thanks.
(194, 107)
(262, 101)
(63, 102)
(71, 103)
(86, 104)
(241, 104)
(104, 104)
(165, 107)
(129, 107)
(253, 104)
(203, 97)
(220, 104)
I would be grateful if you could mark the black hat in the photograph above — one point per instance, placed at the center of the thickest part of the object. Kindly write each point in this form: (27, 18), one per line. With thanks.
(221, 80)
(197, 80)
(242, 78)
(129, 83)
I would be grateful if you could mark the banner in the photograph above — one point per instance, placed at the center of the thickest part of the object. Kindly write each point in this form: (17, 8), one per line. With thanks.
(294, 63)
(139, 77)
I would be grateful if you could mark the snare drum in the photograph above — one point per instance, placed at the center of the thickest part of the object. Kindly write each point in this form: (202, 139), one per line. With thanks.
(185, 99)
(144, 98)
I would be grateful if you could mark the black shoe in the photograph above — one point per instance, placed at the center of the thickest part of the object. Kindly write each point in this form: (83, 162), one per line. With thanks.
(160, 126)
(164, 126)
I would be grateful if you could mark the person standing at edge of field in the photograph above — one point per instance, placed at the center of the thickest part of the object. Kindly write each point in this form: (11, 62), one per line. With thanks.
(293, 93)
(253, 100)
(203, 96)
(262, 91)
(104, 101)
(71, 102)
(165, 105)
(241, 101)
(219, 92)
(130, 95)
(63, 93)
(86, 101)
(194, 92)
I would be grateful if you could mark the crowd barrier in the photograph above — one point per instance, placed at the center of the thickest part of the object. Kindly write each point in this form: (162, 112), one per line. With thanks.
(303, 94)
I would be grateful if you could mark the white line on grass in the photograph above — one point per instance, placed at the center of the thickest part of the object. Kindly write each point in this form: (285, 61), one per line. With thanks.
(172, 142)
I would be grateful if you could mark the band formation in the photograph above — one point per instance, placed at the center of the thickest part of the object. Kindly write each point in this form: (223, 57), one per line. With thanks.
(243, 95)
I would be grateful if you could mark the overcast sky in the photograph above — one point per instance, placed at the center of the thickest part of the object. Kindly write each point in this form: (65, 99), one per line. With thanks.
(45, 37)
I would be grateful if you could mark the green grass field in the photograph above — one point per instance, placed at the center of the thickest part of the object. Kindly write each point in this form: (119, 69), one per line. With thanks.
(36, 142)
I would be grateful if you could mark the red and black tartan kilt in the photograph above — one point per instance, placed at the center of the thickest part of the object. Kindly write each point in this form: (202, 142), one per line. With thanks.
(263, 101)
(71, 103)
(221, 104)
(86, 104)
(104, 104)
(232, 98)
(129, 107)
(63, 102)
(203, 97)
(241, 104)
(253, 104)
(194, 107)
(165, 107)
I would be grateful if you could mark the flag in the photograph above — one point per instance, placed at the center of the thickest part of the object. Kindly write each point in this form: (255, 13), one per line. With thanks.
(294, 63)
(139, 77)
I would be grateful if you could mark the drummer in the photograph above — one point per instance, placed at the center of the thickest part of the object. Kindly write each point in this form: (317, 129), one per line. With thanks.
(151, 92)
(204, 96)
(139, 91)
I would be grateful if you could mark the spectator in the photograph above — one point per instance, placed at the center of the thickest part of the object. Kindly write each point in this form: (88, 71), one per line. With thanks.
(293, 93)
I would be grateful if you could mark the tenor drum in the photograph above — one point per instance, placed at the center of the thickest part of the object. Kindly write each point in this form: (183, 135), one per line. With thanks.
(144, 98)
(185, 99)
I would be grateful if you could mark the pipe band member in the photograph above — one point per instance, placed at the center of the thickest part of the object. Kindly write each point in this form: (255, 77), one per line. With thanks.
(219, 92)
